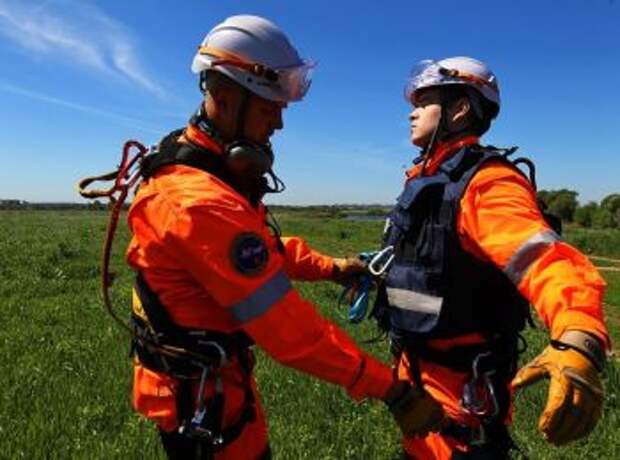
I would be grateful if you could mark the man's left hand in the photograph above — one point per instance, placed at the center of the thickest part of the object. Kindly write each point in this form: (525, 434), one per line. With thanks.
(575, 400)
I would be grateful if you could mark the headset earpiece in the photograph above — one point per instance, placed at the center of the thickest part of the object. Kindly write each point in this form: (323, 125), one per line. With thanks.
(244, 157)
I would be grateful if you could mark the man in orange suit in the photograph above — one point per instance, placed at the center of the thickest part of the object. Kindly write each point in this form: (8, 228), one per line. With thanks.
(470, 250)
(214, 274)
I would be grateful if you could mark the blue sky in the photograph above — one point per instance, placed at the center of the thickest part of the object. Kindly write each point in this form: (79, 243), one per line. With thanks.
(79, 77)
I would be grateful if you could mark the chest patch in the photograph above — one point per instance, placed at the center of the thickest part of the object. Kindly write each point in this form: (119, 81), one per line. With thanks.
(249, 254)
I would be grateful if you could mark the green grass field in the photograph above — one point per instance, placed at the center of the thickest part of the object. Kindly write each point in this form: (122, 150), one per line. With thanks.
(65, 373)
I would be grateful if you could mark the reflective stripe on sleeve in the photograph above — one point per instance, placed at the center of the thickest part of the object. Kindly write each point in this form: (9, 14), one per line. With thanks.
(528, 253)
(262, 299)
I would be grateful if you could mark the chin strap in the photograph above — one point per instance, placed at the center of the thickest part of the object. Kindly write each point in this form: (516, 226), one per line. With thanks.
(242, 113)
(440, 131)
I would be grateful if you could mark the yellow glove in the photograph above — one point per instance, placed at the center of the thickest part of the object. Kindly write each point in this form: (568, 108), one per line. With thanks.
(575, 400)
(346, 268)
(414, 410)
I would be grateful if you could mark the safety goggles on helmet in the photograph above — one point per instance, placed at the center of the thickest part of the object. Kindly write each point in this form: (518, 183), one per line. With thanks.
(286, 84)
(429, 74)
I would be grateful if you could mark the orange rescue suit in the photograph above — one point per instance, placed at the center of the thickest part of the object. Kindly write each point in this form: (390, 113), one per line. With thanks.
(187, 228)
(498, 214)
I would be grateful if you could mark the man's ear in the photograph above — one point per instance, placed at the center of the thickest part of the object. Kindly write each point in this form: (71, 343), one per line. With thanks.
(460, 110)
(220, 98)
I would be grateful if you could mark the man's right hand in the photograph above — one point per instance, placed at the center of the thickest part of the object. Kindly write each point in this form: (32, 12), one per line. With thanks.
(414, 410)
(346, 269)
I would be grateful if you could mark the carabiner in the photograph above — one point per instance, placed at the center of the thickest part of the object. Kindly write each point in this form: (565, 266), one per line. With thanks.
(479, 398)
(386, 257)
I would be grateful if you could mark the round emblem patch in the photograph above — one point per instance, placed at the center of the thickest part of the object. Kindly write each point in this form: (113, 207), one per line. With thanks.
(249, 254)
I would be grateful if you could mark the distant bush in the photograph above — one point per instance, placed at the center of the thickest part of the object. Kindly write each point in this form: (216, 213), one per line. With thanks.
(611, 202)
(583, 214)
(602, 218)
(97, 206)
(561, 203)
(594, 241)
(603, 215)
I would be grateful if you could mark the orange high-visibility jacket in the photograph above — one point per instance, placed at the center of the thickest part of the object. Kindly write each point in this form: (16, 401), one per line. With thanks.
(498, 219)
(215, 265)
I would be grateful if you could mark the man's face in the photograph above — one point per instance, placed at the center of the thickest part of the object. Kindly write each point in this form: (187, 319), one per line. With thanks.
(425, 116)
(262, 119)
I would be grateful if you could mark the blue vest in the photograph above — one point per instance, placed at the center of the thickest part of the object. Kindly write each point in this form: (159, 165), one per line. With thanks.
(434, 288)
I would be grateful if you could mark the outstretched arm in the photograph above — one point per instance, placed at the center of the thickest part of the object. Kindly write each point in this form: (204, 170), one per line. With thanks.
(500, 221)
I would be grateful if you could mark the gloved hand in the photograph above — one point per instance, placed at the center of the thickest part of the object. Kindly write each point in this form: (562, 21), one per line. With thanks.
(414, 410)
(345, 269)
(575, 400)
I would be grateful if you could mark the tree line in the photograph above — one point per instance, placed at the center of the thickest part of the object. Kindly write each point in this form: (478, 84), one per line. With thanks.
(563, 204)
(21, 205)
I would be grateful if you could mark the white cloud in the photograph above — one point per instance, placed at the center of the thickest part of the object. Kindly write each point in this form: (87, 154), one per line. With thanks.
(125, 120)
(78, 32)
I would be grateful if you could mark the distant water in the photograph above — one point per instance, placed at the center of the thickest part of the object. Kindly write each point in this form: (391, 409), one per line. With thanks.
(364, 218)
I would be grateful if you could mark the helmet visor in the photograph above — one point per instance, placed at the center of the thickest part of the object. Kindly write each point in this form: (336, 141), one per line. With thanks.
(285, 84)
(430, 73)
(294, 82)
(424, 74)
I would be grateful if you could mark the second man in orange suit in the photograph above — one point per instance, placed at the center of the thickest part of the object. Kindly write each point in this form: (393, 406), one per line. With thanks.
(466, 250)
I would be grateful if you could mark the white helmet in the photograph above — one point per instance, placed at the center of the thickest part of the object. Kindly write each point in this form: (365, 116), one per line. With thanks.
(454, 71)
(256, 54)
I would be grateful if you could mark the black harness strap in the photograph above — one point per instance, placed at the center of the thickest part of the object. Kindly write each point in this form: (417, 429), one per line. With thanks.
(498, 443)
(184, 400)
(164, 330)
(170, 152)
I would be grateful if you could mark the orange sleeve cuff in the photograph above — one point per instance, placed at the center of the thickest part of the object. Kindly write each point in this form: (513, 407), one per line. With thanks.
(374, 380)
(576, 320)
(304, 263)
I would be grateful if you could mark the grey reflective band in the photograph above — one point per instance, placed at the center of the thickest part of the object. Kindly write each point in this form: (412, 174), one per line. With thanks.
(584, 343)
(262, 299)
(528, 253)
(414, 301)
